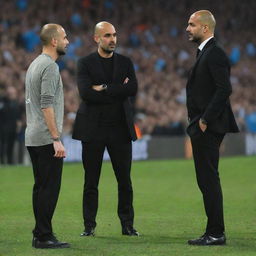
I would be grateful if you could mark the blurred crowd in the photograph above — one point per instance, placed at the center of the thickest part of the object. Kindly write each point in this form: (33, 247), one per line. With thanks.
(151, 32)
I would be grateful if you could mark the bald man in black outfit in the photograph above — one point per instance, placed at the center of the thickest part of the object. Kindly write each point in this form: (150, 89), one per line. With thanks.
(106, 81)
(211, 117)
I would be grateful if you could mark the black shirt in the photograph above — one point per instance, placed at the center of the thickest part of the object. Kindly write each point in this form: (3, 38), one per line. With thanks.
(112, 114)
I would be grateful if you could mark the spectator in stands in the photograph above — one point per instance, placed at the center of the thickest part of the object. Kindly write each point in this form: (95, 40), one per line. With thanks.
(11, 123)
(250, 128)
(3, 114)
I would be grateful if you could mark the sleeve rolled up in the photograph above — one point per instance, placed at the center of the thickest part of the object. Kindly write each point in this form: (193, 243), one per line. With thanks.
(46, 101)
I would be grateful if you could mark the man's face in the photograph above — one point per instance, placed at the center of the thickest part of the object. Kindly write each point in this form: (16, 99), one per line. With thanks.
(106, 38)
(62, 42)
(195, 29)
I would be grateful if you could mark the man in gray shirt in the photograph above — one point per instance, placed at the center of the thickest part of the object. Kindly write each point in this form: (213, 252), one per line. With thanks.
(44, 111)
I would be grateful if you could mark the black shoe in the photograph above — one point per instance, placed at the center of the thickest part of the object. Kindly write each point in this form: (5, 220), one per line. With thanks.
(129, 231)
(208, 240)
(51, 243)
(88, 232)
(34, 239)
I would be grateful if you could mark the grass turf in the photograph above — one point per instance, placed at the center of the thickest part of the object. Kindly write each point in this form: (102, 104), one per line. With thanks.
(168, 211)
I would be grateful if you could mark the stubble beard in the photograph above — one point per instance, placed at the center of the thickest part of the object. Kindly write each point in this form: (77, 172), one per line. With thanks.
(60, 51)
(107, 50)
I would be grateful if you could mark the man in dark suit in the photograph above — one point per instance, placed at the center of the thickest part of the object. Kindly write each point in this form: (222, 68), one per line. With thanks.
(106, 81)
(210, 118)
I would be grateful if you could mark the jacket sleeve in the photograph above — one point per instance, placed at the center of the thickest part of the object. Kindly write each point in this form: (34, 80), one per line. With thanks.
(219, 67)
(125, 90)
(85, 84)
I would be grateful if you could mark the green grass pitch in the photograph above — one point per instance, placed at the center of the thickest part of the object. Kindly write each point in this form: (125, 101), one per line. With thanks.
(168, 211)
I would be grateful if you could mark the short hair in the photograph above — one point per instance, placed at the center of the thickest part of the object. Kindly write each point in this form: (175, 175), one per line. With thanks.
(48, 32)
(100, 25)
(207, 18)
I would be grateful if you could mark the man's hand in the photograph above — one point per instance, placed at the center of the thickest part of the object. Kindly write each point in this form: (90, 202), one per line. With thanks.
(59, 149)
(126, 80)
(98, 88)
(202, 126)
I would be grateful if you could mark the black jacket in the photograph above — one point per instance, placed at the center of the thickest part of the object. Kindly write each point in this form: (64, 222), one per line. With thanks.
(208, 90)
(90, 72)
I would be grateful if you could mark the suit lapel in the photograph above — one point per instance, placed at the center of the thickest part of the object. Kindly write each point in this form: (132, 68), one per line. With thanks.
(209, 43)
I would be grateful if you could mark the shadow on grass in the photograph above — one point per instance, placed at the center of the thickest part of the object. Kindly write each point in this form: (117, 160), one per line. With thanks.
(243, 243)
(246, 243)
(144, 239)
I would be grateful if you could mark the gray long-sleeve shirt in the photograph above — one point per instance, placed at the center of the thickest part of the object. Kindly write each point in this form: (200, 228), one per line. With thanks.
(44, 89)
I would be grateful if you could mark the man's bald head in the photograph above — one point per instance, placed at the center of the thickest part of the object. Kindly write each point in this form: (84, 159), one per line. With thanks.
(101, 27)
(205, 17)
(48, 32)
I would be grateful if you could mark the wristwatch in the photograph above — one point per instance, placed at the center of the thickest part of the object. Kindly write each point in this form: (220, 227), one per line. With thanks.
(56, 139)
(104, 86)
(203, 121)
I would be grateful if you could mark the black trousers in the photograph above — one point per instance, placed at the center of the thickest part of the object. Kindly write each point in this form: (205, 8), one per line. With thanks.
(7, 141)
(119, 147)
(47, 176)
(206, 159)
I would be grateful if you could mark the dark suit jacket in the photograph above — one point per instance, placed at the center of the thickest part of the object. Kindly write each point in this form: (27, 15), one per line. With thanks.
(90, 72)
(208, 91)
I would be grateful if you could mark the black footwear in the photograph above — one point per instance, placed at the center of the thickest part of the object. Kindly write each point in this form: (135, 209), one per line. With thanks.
(129, 231)
(52, 243)
(34, 239)
(88, 232)
(208, 240)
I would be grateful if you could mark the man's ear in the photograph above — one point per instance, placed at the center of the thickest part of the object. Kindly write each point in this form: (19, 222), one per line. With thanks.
(54, 42)
(96, 38)
(206, 28)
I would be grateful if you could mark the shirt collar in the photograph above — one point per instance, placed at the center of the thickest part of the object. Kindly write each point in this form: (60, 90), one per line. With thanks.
(202, 45)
